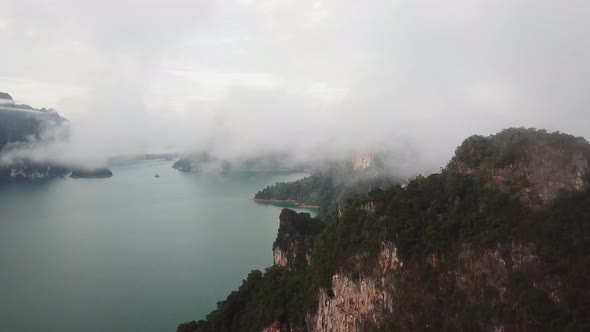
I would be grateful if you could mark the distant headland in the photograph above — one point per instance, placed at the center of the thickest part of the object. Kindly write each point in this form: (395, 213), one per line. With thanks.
(91, 173)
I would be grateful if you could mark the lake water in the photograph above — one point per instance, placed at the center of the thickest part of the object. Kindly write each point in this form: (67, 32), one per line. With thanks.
(132, 252)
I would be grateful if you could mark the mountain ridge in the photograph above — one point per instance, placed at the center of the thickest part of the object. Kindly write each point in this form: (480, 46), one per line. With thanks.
(484, 245)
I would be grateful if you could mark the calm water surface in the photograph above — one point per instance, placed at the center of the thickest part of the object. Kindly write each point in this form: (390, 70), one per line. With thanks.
(132, 252)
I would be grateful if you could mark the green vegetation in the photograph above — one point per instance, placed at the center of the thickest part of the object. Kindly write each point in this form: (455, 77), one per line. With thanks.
(328, 188)
(277, 295)
(438, 213)
(430, 215)
(296, 236)
(438, 216)
(515, 145)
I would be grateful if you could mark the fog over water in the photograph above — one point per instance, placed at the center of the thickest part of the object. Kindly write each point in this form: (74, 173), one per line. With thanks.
(314, 77)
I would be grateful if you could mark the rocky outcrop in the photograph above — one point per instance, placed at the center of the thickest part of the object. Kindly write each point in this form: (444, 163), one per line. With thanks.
(495, 242)
(292, 248)
(374, 299)
(494, 281)
(349, 305)
(352, 305)
(280, 258)
(533, 164)
(368, 207)
(364, 160)
(388, 259)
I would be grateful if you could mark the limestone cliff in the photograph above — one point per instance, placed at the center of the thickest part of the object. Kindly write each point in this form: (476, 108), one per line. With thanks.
(495, 242)
(504, 285)
(352, 305)
(364, 160)
(394, 293)
(535, 165)
(292, 248)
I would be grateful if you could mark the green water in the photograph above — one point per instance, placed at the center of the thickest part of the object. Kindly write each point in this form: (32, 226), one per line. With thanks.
(132, 252)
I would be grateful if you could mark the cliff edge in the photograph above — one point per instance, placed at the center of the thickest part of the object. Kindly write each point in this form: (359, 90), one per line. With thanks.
(497, 241)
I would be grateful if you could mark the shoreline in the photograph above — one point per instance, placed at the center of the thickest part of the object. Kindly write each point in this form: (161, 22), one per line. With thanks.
(292, 201)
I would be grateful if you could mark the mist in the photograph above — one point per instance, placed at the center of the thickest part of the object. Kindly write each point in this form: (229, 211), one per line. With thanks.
(315, 79)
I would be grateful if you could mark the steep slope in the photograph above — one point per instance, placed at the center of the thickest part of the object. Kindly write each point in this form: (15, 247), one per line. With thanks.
(534, 164)
(280, 296)
(496, 242)
(292, 248)
(485, 248)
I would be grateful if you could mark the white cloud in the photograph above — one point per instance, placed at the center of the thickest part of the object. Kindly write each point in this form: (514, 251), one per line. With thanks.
(360, 73)
(4, 24)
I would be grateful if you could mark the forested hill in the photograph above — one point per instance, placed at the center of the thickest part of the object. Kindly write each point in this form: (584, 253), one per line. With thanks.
(498, 241)
(330, 186)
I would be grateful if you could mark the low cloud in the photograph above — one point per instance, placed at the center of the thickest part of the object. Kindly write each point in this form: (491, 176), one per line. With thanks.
(316, 78)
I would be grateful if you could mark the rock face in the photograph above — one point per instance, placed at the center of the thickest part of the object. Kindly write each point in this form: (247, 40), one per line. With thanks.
(495, 242)
(280, 258)
(536, 165)
(352, 305)
(540, 168)
(395, 291)
(363, 161)
(292, 248)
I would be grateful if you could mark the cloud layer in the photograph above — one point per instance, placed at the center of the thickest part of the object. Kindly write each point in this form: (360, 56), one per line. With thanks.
(315, 77)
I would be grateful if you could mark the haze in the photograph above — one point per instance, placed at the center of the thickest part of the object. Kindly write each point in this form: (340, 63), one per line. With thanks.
(244, 77)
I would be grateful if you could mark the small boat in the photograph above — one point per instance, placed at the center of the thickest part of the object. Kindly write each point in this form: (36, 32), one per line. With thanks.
(156, 176)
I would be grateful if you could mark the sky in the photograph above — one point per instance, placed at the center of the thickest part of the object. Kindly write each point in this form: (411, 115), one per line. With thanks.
(312, 76)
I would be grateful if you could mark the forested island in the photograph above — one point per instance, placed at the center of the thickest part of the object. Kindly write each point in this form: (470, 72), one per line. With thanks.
(496, 241)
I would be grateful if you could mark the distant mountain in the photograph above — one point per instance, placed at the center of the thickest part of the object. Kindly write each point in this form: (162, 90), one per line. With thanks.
(5, 98)
(208, 161)
(20, 124)
(91, 173)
